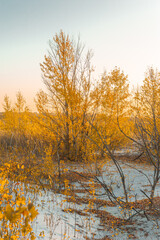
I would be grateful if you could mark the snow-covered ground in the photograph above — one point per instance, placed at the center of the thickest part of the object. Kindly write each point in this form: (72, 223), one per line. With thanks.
(58, 224)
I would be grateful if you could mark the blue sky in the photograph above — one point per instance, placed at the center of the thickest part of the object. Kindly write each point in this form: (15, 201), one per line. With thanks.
(123, 33)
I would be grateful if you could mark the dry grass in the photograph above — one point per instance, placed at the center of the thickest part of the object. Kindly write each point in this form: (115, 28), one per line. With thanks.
(104, 238)
(145, 204)
(72, 176)
(72, 210)
(97, 202)
(130, 159)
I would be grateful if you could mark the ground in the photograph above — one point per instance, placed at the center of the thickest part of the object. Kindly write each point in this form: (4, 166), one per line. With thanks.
(82, 210)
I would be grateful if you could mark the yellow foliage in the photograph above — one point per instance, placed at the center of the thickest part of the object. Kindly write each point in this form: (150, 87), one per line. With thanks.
(16, 215)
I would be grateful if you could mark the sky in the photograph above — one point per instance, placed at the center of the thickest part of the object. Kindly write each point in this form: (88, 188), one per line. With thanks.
(122, 33)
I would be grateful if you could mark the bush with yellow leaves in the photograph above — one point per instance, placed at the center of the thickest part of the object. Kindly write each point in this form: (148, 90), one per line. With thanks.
(16, 213)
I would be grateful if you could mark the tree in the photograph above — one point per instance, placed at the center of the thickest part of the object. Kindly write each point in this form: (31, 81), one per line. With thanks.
(8, 122)
(20, 105)
(15, 121)
(113, 101)
(148, 123)
(20, 115)
(7, 104)
(112, 93)
(64, 107)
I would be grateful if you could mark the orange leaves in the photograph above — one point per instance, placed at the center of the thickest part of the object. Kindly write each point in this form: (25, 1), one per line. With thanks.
(16, 213)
